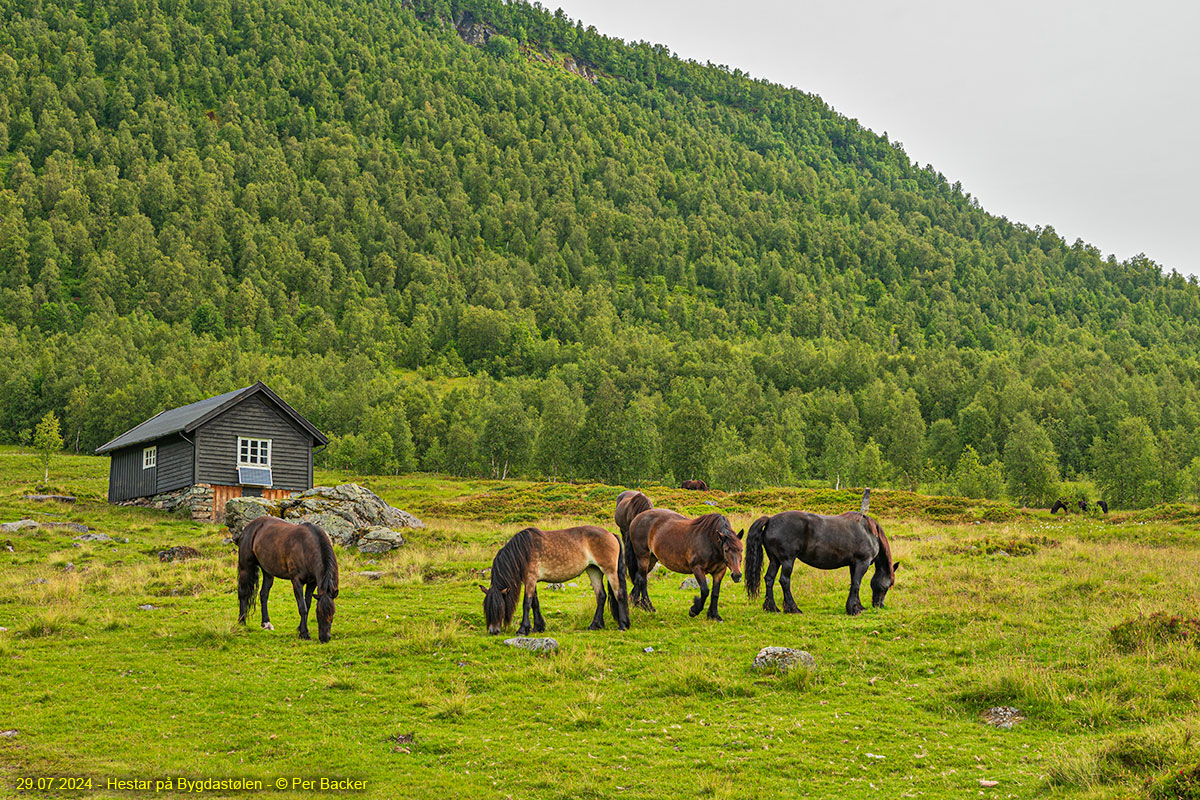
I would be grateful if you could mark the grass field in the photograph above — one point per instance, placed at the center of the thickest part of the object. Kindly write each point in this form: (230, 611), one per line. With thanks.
(413, 698)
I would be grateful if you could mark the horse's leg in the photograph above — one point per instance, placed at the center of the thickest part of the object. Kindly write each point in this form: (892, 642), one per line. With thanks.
(772, 571)
(858, 569)
(268, 579)
(597, 579)
(716, 594)
(302, 607)
(619, 606)
(648, 565)
(698, 601)
(539, 623)
(309, 590)
(530, 589)
(785, 581)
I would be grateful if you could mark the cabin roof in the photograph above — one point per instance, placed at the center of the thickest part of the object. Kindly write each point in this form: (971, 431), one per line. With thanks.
(186, 419)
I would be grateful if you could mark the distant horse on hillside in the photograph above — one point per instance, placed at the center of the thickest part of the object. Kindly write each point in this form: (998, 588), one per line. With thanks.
(1103, 506)
(697, 485)
(534, 555)
(852, 540)
(1083, 506)
(703, 546)
(300, 553)
(1059, 504)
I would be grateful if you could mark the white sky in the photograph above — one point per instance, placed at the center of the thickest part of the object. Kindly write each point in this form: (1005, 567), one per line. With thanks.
(1080, 115)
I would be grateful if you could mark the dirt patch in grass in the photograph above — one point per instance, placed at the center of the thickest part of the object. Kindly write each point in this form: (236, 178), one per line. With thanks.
(1144, 631)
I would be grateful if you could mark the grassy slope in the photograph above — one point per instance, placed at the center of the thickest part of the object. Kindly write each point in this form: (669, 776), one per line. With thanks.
(96, 686)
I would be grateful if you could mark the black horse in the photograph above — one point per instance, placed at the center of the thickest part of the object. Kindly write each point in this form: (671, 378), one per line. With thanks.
(851, 540)
(1059, 504)
(300, 553)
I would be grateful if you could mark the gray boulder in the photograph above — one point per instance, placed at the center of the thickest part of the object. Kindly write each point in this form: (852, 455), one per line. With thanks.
(539, 644)
(352, 515)
(19, 525)
(783, 659)
(94, 537)
(51, 498)
(178, 553)
(690, 582)
(379, 540)
(240, 511)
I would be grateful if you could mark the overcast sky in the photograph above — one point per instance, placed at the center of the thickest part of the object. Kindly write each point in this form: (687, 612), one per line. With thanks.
(1080, 115)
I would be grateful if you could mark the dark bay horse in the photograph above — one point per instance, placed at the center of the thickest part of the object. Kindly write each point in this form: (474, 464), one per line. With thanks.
(534, 555)
(300, 553)
(703, 546)
(697, 485)
(851, 540)
(630, 503)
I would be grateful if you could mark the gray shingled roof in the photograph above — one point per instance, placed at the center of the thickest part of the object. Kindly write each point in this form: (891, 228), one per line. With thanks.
(189, 417)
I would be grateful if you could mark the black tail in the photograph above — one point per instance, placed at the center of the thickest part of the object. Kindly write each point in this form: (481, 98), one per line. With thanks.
(618, 603)
(754, 556)
(247, 572)
(327, 585)
(631, 561)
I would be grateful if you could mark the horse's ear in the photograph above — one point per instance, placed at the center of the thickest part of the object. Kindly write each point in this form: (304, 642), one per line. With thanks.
(895, 566)
(741, 533)
(482, 588)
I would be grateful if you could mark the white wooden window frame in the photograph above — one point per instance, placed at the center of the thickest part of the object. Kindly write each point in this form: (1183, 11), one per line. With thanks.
(150, 457)
(252, 452)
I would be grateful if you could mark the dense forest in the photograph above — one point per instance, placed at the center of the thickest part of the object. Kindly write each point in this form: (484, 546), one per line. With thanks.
(476, 237)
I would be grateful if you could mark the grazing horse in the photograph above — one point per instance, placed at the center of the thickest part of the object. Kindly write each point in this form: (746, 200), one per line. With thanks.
(697, 484)
(300, 553)
(1103, 506)
(1083, 506)
(703, 546)
(1060, 504)
(630, 503)
(851, 540)
(534, 555)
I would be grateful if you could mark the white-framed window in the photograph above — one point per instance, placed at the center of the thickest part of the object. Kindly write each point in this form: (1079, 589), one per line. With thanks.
(149, 457)
(254, 452)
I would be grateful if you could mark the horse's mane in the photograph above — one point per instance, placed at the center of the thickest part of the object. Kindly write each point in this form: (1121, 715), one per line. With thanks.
(328, 585)
(508, 568)
(711, 525)
(885, 547)
(638, 503)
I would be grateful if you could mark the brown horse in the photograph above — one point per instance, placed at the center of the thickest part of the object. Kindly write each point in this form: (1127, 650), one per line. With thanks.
(630, 503)
(534, 555)
(300, 553)
(697, 485)
(703, 546)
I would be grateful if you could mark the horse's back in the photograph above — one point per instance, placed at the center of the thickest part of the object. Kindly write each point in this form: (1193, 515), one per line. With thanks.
(824, 541)
(283, 549)
(565, 553)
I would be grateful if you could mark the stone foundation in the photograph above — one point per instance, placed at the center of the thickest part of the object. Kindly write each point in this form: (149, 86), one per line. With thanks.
(197, 499)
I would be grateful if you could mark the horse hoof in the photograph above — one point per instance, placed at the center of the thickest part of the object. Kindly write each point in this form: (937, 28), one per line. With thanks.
(595, 627)
(268, 626)
(305, 637)
(791, 611)
(693, 612)
(716, 617)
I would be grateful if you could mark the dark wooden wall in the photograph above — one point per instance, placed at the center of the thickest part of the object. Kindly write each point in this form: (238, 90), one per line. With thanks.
(126, 478)
(257, 418)
(175, 464)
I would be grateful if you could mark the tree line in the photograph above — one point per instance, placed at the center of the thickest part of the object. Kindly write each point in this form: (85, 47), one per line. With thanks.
(468, 259)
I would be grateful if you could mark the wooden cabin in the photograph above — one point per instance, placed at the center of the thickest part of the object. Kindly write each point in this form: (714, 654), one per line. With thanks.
(247, 442)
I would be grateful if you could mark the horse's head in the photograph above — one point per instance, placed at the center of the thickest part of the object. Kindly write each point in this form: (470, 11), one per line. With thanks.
(731, 549)
(498, 607)
(881, 581)
(325, 611)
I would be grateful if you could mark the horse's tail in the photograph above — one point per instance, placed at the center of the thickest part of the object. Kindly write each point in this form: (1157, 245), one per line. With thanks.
(754, 555)
(327, 584)
(630, 557)
(247, 570)
(618, 603)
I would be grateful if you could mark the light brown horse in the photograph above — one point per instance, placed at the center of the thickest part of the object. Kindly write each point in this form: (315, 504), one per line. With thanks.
(703, 546)
(534, 555)
(300, 553)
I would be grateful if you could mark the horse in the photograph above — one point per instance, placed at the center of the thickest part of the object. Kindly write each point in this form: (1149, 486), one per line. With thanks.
(1060, 504)
(703, 546)
(852, 540)
(630, 503)
(300, 553)
(1103, 506)
(697, 485)
(534, 555)
(1083, 506)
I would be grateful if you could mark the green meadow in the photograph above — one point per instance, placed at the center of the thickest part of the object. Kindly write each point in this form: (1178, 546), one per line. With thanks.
(1084, 624)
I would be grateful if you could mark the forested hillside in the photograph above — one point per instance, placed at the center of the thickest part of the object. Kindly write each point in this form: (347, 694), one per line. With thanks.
(477, 237)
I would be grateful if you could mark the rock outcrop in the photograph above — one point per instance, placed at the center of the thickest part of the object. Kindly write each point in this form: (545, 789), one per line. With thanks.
(539, 644)
(783, 659)
(178, 553)
(352, 515)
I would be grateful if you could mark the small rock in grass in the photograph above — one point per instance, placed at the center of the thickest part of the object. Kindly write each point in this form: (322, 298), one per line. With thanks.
(689, 583)
(8, 734)
(784, 658)
(19, 525)
(94, 537)
(68, 567)
(541, 644)
(647, 649)
(38, 580)
(573, 585)
(51, 498)
(178, 553)
(988, 784)
(371, 576)
(9, 547)
(227, 540)
(1001, 554)
(1003, 717)
(147, 607)
(554, 587)
(3, 630)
